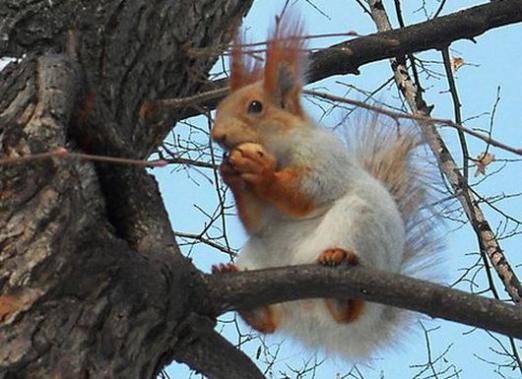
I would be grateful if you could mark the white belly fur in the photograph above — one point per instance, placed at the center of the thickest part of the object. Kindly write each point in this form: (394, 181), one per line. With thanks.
(351, 223)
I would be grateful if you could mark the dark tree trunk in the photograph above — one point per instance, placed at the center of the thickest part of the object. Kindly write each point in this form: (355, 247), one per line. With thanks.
(92, 284)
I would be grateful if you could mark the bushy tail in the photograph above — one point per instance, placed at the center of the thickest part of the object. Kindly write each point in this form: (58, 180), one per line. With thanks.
(394, 155)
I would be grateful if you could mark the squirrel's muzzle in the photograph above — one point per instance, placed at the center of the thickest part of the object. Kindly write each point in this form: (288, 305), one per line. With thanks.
(230, 132)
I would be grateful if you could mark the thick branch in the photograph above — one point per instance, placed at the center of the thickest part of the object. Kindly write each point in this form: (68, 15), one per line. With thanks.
(135, 208)
(207, 352)
(347, 57)
(253, 288)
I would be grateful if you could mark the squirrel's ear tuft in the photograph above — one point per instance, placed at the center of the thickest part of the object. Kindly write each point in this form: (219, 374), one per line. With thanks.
(244, 69)
(286, 79)
(284, 66)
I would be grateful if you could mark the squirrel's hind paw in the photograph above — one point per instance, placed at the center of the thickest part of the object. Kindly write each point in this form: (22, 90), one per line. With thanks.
(224, 268)
(342, 311)
(261, 319)
(345, 311)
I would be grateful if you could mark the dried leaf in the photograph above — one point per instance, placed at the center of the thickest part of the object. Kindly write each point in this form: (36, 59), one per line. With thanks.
(457, 63)
(483, 159)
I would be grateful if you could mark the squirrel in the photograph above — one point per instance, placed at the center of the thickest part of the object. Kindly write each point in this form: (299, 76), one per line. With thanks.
(303, 196)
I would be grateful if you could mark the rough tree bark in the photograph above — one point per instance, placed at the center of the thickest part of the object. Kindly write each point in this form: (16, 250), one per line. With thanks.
(92, 284)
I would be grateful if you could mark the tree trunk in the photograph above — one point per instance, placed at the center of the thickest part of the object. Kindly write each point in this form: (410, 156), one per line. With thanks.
(92, 284)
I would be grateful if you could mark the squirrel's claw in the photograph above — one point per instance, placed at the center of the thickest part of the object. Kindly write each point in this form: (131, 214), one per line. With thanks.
(336, 256)
(224, 268)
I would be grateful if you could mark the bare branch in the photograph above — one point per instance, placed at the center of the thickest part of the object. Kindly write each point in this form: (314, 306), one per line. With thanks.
(347, 57)
(488, 242)
(457, 110)
(206, 241)
(246, 290)
(204, 350)
(63, 153)
(417, 117)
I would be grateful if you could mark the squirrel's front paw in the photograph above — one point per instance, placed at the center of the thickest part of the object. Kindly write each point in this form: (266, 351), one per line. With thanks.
(253, 163)
(230, 175)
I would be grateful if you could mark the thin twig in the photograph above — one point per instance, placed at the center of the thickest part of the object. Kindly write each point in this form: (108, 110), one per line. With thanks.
(206, 241)
(197, 99)
(417, 117)
(190, 162)
(221, 49)
(63, 153)
(441, 6)
(458, 116)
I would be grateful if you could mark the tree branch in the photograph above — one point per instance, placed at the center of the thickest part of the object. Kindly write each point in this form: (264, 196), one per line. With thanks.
(244, 290)
(489, 245)
(207, 352)
(347, 57)
(418, 116)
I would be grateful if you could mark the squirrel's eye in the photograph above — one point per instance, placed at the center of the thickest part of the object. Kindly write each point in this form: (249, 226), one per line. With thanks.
(255, 107)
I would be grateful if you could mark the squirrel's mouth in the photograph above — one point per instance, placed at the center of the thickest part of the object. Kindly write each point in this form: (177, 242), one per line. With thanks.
(228, 145)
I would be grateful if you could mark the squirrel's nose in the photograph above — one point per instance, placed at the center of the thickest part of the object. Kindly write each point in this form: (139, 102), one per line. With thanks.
(219, 137)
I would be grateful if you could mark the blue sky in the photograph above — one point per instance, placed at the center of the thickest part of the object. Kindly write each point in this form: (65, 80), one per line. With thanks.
(493, 62)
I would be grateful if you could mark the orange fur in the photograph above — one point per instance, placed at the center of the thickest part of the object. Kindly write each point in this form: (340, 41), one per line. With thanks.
(336, 256)
(262, 319)
(342, 311)
(243, 69)
(279, 188)
(282, 190)
(284, 48)
(283, 57)
(345, 311)
(249, 207)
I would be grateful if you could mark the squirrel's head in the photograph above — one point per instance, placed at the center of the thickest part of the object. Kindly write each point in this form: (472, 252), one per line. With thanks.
(264, 102)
